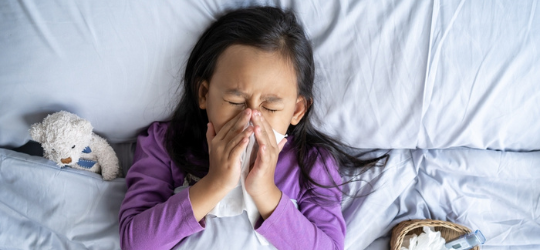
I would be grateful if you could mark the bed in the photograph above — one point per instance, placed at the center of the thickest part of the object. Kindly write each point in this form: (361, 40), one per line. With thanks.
(451, 89)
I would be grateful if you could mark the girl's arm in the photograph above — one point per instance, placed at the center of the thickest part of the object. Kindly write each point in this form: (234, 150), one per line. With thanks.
(151, 216)
(310, 227)
(317, 223)
(314, 225)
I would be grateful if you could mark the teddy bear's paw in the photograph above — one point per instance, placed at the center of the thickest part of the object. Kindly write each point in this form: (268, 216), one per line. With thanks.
(108, 178)
(109, 174)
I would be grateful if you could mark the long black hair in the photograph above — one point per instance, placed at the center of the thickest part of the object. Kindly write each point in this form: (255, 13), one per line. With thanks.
(269, 29)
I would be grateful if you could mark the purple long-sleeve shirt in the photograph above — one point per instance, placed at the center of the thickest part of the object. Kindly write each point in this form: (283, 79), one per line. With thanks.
(153, 217)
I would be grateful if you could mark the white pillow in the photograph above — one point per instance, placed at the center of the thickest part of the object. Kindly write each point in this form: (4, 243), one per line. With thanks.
(119, 64)
(483, 84)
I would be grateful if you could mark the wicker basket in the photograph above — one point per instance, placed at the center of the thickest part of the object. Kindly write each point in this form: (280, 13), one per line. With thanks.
(449, 231)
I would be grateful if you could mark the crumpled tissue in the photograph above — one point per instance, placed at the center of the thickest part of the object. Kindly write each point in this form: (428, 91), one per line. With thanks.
(238, 199)
(428, 240)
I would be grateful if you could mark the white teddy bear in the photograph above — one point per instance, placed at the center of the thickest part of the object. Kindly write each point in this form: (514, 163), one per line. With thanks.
(69, 141)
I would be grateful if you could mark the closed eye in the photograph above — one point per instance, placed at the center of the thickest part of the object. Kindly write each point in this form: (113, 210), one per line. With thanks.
(243, 104)
(236, 103)
(271, 110)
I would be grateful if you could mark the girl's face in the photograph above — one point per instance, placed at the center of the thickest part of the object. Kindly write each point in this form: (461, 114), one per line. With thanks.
(247, 77)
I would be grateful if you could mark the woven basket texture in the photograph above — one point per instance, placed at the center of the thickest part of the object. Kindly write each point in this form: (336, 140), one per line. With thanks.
(449, 231)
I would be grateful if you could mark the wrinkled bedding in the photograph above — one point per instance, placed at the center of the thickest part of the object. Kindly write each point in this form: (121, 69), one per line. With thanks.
(45, 207)
(497, 192)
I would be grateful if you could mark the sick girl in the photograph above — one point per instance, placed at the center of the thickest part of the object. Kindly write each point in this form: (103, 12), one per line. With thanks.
(252, 66)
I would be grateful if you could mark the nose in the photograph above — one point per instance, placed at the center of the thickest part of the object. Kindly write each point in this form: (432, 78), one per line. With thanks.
(66, 161)
(253, 108)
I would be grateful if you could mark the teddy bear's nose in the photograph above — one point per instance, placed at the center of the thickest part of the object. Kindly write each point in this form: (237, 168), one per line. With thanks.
(66, 161)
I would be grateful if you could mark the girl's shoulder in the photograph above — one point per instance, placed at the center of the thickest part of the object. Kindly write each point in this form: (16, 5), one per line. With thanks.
(326, 169)
(319, 165)
(151, 147)
(157, 130)
(154, 137)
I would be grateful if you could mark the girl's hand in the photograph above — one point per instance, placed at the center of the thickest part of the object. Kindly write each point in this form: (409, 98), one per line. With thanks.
(260, 180)
(225, 150)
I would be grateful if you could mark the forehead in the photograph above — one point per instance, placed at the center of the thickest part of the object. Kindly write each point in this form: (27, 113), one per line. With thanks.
(249, 69)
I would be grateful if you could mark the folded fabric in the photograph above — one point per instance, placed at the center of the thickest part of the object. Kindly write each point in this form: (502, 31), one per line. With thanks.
(238, 199)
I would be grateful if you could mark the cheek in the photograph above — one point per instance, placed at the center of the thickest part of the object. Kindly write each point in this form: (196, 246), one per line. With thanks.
(279, 121)
(219, 114)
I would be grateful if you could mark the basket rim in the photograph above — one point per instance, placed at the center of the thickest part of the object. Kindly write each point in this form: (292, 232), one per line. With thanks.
(404, 227)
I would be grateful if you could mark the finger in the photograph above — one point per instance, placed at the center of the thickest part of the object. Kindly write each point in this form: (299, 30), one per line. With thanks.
(229, 124)
(238, 126)
(210, 134)
(261, 134)
(269, 132)
(238, 149)
(237, 139)
(263, 157)
(262, 140)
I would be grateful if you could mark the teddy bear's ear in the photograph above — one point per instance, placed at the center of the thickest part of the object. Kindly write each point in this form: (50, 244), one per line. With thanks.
(36, 132)
(84, 125)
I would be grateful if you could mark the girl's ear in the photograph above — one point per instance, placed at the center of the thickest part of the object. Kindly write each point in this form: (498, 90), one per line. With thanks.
(203, 94)
(300, 109)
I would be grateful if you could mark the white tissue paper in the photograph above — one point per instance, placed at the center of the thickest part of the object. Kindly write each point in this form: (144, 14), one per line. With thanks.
(238, 200)
(428, 240)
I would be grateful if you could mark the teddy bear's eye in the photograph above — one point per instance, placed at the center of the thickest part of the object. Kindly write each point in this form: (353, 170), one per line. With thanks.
(73, 146)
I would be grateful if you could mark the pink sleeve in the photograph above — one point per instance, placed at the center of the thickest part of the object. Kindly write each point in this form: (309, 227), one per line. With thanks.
(151, 216)
(315, 224)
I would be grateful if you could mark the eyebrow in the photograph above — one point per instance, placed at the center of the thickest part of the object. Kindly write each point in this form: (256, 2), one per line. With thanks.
(272, 98)
(236, 92)
(268, 98)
